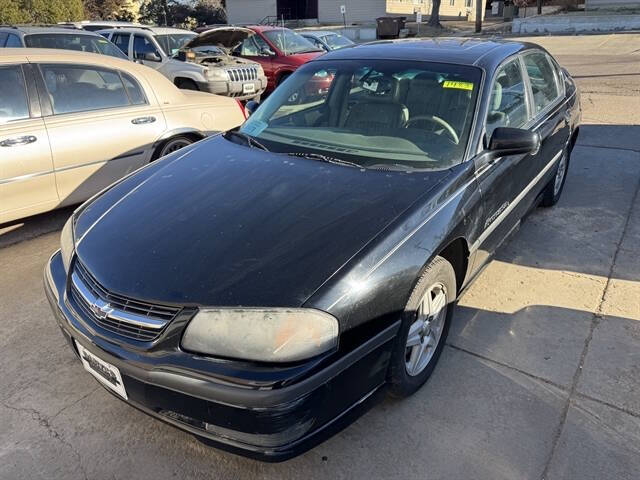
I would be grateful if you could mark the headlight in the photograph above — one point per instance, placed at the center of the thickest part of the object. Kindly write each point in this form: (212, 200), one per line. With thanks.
(266, 335)
(217, 74)
(67, 243)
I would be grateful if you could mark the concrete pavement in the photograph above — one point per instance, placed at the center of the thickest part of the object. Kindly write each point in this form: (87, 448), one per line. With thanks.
(539, 380)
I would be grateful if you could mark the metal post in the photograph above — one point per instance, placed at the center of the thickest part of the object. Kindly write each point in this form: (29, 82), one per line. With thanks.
(479, 4)
(539, 2)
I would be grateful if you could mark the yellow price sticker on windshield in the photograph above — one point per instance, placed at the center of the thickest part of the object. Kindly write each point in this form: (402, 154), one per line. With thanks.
(458, 85)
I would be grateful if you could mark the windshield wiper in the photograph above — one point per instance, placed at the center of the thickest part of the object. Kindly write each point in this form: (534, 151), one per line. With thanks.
(323, 158)
(249, 140)
(396, 167)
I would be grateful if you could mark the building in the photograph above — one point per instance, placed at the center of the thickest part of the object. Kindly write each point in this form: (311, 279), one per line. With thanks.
(322, 11)
(613, 5)
(449, 9)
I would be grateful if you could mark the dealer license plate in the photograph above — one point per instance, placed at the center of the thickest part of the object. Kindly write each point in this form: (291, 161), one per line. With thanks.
(248, 88)
(107, 374)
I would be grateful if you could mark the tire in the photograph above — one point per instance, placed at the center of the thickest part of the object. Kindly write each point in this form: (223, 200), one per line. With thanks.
(171, 145)
(186, 84)
(553, 190)
(407, 371)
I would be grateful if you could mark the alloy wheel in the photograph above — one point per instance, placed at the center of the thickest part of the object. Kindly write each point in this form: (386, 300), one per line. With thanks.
(173, 145)
(560, 173)
(426, 330)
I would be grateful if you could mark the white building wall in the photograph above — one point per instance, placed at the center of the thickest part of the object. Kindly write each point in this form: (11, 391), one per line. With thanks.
(249, 11)
(357, 10)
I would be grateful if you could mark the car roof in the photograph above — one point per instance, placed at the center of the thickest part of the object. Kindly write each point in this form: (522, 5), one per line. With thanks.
(154, 30)
(57, 55)
(464, 51)
(29, 29)
(317, 33)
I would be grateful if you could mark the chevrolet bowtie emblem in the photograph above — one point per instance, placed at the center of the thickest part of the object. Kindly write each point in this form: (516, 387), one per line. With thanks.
(100, 309)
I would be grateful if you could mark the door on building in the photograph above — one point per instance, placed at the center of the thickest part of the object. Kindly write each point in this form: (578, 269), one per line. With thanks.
(297, 9)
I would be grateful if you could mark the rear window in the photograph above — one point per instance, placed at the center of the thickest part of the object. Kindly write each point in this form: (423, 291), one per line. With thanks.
(72, 41)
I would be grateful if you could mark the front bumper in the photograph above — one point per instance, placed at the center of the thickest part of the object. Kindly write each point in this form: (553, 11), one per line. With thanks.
(235, 89)
(270, 424)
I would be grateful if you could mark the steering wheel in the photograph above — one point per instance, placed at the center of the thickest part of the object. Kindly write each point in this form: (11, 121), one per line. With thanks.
(439, 122)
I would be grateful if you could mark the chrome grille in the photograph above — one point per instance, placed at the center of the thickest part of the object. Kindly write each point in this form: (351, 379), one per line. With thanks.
(243, 74)
(124, 316)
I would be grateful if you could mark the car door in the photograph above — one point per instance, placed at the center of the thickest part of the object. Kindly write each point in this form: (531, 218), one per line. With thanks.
(503, 180)
(27, 181)
(257, 49)
(145, 51)
(103, 125)
(121, 40)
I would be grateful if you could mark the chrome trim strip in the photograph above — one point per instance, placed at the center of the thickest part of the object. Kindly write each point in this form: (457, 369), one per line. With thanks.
(20, 178)
(111, 313)
(483, 236)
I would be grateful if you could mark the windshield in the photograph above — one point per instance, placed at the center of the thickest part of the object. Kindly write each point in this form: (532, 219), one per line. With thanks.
(289, 42)
(375, 113)
(173, 42)
(72, 41)
(336, 41)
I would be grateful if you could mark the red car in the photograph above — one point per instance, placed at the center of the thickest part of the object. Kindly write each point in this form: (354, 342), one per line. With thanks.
(280, 51)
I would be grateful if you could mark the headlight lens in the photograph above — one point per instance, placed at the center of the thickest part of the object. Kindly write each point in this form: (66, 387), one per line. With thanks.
(217, 74)
(67, 243)
(266, 335)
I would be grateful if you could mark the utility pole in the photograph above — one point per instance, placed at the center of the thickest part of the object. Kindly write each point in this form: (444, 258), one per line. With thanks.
(479, 5)
(539, 2)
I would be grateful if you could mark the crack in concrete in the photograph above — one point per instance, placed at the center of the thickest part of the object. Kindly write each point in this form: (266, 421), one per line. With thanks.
(75, 402)
(597, 317)
(45, 422)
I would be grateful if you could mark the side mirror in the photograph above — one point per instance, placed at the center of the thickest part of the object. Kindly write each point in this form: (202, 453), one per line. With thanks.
(512, 141)
(152, 57)
(266, 51)
(251, 107)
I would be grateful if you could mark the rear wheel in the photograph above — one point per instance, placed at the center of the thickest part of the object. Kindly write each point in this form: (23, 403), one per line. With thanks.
(424, 329)
(171, 145)
(554, 188)
(186, 84)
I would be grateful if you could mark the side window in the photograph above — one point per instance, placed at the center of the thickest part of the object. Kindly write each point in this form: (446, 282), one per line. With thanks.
(121, 40)
(542, 76)
(142, 46)
(508, 104)
(255, 46)
(3, 39)
(316, 43)
(13, 96)
(80, 88)
(133, 89)
(13, 41)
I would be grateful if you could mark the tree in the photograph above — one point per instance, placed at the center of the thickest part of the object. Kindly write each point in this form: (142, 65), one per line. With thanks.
(434, 19)
(40, 11)
(12, 12)
(176, 12)
(108, 10)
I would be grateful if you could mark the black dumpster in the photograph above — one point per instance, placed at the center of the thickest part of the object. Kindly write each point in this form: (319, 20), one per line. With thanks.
(389, 27)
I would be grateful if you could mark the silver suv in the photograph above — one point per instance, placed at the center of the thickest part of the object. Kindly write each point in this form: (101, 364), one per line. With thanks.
(212, 71)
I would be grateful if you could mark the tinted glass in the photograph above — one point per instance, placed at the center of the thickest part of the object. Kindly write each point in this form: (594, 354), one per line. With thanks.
(77, 89)
(121, 40)
(289, 42)
(134, 90)
(13, 41)
(13, 97)
(73, 41)
(255, 46)
(542, 78)
(382, 112)
(170, 44)
(508, 104)
(141, 46)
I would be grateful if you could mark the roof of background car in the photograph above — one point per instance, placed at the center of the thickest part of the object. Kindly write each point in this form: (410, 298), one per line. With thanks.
(446, 50)
(29, 29)
(153, 30)
(317, 33)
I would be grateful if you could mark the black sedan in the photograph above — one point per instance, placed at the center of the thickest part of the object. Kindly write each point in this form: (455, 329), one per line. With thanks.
(261, 288)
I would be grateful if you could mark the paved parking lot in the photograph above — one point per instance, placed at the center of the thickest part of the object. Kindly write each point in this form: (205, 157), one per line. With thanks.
(540, 380)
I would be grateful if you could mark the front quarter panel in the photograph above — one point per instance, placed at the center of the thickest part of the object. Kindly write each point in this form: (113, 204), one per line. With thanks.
(375, 285)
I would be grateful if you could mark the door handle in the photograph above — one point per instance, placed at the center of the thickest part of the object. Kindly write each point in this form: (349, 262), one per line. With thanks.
(12, 142)
(143, 120)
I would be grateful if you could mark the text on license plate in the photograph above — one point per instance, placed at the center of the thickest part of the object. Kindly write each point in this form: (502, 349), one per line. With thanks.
(248, 88)
(105, 373)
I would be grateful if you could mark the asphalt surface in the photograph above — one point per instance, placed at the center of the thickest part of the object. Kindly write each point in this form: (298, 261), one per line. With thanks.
(540, 378)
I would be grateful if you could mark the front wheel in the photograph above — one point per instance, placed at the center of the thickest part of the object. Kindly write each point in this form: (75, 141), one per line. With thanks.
(171, 145)
(424, 329)
(554, 188)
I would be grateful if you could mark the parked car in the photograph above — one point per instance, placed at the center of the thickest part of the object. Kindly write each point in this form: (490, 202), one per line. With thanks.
(95, 25)
(280, 51)
(72, 123)
(63, 38)
(208, 69)
(310, 261)
(326, 39)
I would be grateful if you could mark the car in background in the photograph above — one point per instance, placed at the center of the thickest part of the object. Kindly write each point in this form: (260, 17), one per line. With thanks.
(280, 51)
(326, 39)
(62, 38)
(95, 25)
(209, 69)
(73, 123)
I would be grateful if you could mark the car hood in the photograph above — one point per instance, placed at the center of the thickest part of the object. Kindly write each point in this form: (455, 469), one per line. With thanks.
(229, 225)
(225, 37)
